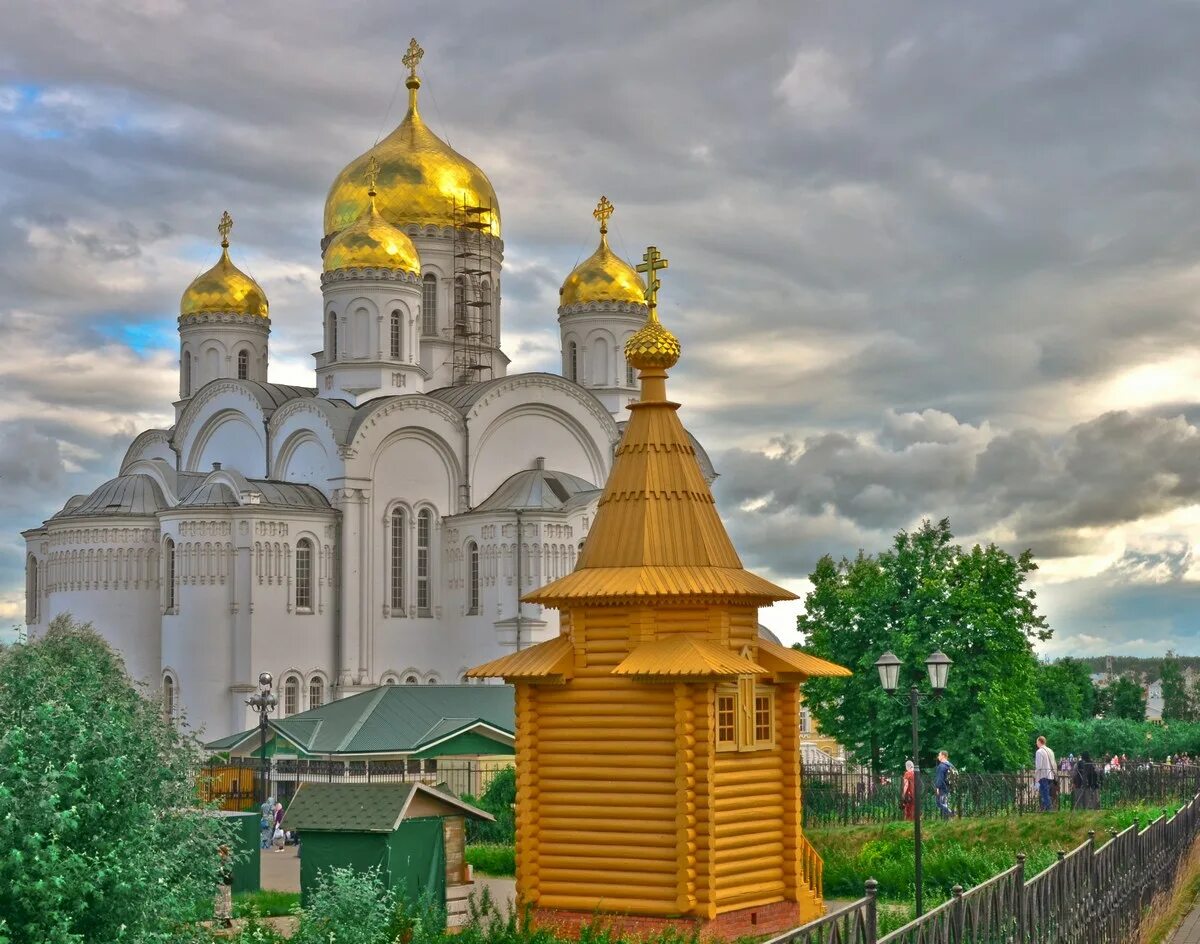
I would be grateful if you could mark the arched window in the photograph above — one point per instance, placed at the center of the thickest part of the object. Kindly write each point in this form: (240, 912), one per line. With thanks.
(429, 304)
(243, 364)
(304, 561)
(169, 576)
(316, 692)
(396, 334)
(390, 680)
(399, 533)
(460, 303)
(472, 579)
(31, 589)
(572, 361)
(486, 317)
(411, 680)
(291, 695)
(187, 375)
(432, 680)
(630, 375)
(424, 532)
(331, 343)
(170, 697)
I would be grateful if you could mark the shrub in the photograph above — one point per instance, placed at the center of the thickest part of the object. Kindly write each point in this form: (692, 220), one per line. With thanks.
(348, 906)
(100, 823)
(497, 799)
(493, 858)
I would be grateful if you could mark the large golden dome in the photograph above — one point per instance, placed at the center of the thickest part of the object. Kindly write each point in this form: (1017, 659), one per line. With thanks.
(371, 242)
(421, 178)
(224, 287)
(603, 276)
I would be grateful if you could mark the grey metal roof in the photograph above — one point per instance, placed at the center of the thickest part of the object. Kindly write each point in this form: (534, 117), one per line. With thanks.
(537, 488)
(275, 395)
(764, 633)
(135, 494)
(209, 494)
(288, 493)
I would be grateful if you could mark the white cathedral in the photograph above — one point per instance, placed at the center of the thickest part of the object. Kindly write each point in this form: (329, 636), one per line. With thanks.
(380, 527)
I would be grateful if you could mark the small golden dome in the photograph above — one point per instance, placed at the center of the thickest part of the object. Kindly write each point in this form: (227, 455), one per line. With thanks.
(603, 276)
(371, 242)
(652, 346)
(224, 287)
(421, 178)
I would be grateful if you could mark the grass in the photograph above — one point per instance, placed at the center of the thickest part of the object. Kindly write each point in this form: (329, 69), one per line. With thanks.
(265, 904)
(958, 852)
(492, 859)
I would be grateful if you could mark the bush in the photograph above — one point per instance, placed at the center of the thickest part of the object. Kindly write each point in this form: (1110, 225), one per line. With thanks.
(493, 858)
(350, 907)
(497, 799)
(101, 829)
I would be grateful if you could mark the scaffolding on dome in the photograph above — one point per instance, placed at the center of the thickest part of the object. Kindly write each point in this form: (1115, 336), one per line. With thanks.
(474, 321)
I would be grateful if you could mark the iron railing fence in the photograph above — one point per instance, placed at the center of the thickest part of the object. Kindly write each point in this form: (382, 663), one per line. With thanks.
(237, 783)
(836, 795)
(1096, 894)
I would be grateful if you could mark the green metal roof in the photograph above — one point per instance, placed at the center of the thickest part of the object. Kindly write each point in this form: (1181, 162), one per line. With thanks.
(394, 719)
(363, 807)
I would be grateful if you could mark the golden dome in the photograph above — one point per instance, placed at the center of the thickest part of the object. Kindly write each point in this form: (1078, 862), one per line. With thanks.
(421, 178)
(371, 242)
(603, 276)
(652, 346)
(224, 287)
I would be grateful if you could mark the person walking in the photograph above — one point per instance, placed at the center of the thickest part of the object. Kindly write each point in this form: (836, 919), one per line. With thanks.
(278, 839)
(907, 791)
(266, 825)
(942, 785)
(1085, 780)
(1044, 772)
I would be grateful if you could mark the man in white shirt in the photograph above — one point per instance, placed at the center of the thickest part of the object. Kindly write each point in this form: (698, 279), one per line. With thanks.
(1044, 767)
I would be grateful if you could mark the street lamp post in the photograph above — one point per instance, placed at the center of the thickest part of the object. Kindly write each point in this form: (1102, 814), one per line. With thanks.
(938, 666)
(262, 702)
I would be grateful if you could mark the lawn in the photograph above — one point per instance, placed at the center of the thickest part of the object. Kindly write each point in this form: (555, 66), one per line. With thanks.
(265, 904)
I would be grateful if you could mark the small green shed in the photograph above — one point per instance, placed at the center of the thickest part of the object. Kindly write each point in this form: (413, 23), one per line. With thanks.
(413, 833)
(246, 846)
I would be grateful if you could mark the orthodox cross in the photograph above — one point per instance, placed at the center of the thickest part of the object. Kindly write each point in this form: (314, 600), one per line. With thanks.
(652, 261)
(372, 175)
(412, 58)
(224, 227)
(604, 209)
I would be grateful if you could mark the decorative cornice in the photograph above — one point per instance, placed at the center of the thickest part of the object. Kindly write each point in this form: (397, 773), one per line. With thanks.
(580, 394)
(223, 317)
(356, 274)
(630, 308)
(404, 401)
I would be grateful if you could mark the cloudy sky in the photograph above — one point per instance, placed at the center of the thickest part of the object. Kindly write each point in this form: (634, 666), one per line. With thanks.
(927, 258)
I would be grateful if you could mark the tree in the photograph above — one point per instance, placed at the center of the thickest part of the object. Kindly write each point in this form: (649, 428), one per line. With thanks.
(1177, 702)
(100, 823)
(1065, 690)
(1127, 700)
(926, 593)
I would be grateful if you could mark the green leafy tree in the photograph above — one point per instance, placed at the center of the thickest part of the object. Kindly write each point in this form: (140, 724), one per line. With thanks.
(926, 593)
(101, 835)
(1065, 689)
(1177, 701)
(1127, 700)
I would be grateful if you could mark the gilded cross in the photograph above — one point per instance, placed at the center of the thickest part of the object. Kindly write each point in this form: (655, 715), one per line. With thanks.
(372, 174)
(412, 58)
(652, 261)
(224, 227)
(604, 209)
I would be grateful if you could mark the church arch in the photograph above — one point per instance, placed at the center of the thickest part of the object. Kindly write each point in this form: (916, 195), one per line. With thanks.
(396, 540)
(601, 347)
(170, 695)
(429, 304)
(185, 383)
(290, 702)
(571, 361)
(304, 458)
(472, 562)
(331, 337)
(317, 687)
(231, 438)
(169, 577)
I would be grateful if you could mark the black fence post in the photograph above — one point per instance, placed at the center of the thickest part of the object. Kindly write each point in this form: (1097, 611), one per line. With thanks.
(872, 919)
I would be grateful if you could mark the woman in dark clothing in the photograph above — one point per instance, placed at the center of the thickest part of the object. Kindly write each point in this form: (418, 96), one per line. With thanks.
(1085, 780)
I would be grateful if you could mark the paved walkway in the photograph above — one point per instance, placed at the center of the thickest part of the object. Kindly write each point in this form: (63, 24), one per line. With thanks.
(1189, 931)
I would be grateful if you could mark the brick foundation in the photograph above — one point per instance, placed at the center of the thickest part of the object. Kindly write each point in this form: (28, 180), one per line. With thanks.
(758, 921)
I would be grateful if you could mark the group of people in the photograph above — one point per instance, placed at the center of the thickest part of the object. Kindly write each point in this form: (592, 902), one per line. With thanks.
(1083, 773)
(271, 825)
(943, 782)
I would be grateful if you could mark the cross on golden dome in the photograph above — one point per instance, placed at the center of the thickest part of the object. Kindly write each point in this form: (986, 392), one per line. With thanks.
(604, 209)
(372, 175)
(224, 227)
(412, 58)
(652, 261)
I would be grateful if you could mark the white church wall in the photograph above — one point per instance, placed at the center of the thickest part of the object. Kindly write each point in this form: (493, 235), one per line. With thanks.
(105, 572)
(150, 444)
(223, 423)
(517, 437)
(304, 458)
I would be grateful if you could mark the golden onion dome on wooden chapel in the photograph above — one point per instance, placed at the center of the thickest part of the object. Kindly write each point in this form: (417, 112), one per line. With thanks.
(603, 276)
(652, 346)
(224, 287)
(422, 180)
(371, 242)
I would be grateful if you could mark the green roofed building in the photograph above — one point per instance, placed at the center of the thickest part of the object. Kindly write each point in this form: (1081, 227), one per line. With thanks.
(459, 733)
(413, 833)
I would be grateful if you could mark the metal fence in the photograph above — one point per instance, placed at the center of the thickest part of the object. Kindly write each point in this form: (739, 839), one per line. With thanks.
(835, 795)
(236, 784)
(1096, 894)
